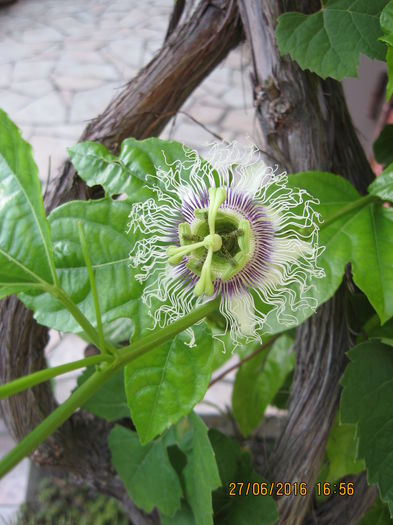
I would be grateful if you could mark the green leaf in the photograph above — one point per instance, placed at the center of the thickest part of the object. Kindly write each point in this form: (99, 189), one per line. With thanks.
(200, 474)
(383, 147)
(165, 384)
(110, 401)
(382, 186)
(377, 515)
(235, 465)
(341, 452)
(363, 237)
(97, 166)
(105, 226)
(385, 332)
(129, 172)
(145, 471)
(386, 18)
(389, 63)
(330, 41)
(372, 244)
(183, 517)
(26, 259)
(366, 401)
(258, 381)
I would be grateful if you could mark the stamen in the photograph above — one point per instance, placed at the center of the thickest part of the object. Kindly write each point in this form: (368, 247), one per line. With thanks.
(176, 253)
(213, 241)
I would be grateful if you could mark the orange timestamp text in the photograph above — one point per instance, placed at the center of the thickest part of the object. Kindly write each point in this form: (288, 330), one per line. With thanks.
(286, 488)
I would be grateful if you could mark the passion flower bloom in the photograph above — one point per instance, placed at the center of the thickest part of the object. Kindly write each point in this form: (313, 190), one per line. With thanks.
(229, 227)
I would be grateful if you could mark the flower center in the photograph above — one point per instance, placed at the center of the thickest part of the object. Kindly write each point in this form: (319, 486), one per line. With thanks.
(217, 243)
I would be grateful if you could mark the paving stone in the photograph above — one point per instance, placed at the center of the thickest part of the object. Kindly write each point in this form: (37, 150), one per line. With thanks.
(88, 104)
(49, 151)
(46, 109)
(11, 50)
(40, 35)
(12, 102)
(32, 69)
(128, 51)
(66, 67)
(33, 88)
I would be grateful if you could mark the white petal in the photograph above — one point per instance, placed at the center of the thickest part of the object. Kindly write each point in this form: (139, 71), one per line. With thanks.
(249, 179)
(239, 310)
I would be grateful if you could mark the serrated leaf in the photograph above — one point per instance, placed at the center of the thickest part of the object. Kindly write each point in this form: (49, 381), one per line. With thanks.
(105, 226)
(26, 259)
(382, 186)
(165, 384)
(235, 465)
(145, 471)
(366, 401)
(330, 41)
(258, 381)
(200, 474)
(110, 401)
(377, 515)
(341, 452)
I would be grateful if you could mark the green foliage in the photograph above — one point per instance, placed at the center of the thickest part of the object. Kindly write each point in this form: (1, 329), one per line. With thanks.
(145, 471)
(129, 172)
(385, 333)
(377, 515)
(363, 236)
(382, 186)
(235, 465)
(383, 151)
(105, 226)
(341, 452)
(165, 384)
(330, 41)
(110, 401)
(258, 381)
(367, 402)
(200, 475)
(26, 258)
(386, 21)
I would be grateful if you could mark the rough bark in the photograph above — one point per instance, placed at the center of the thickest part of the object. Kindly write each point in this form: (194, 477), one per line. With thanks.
(305, 125)
(142, 109)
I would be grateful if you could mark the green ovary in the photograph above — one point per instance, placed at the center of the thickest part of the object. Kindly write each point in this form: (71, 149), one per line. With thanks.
(218, 244)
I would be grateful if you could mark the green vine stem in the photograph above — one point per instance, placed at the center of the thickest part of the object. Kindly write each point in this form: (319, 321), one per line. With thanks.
(79, 397)
(351, 206)
(25, 382)
(93, 287)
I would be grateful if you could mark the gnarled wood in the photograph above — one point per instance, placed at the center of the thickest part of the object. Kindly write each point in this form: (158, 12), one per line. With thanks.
(305, 125)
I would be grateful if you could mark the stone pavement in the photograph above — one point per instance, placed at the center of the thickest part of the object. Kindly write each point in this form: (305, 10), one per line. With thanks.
(60, 65)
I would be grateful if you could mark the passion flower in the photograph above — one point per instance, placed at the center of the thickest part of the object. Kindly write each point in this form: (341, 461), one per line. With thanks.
(229, 227)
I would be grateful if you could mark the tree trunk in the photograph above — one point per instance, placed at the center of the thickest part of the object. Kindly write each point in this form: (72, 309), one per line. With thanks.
(305, 125)
(143, 108)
